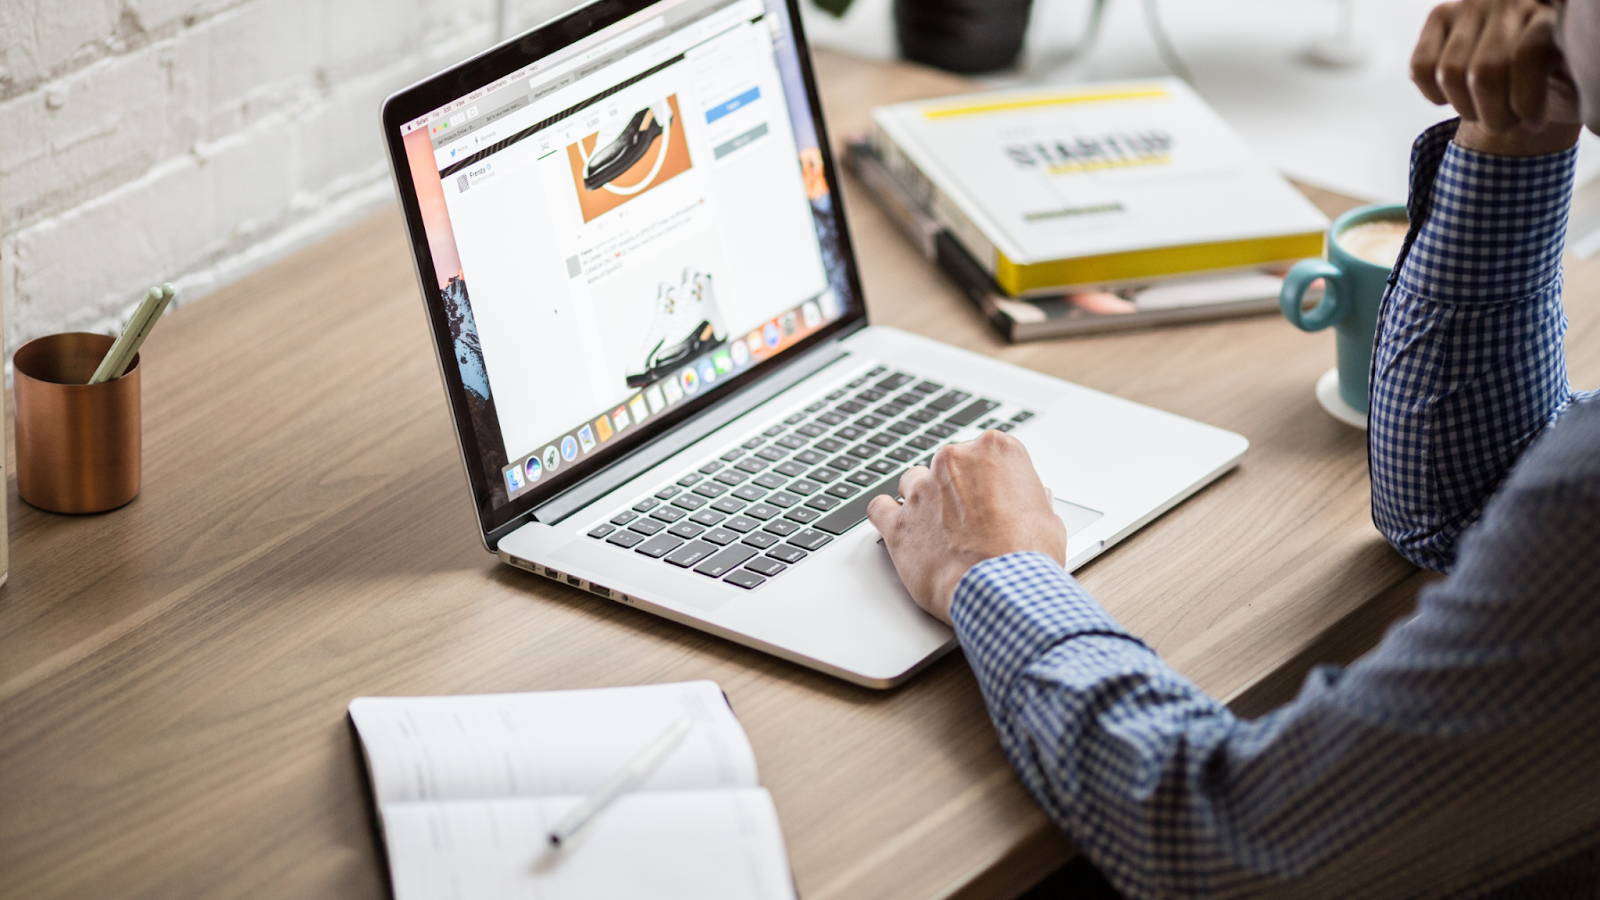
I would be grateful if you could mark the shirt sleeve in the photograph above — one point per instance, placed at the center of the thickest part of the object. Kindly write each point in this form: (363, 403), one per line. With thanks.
(1469, 365)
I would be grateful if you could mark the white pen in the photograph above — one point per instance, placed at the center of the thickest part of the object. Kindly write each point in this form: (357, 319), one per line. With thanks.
(121, 354)
(626, 780)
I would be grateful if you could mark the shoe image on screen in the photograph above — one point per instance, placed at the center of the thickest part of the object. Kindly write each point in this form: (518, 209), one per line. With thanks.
(618, 153)
(687, 323)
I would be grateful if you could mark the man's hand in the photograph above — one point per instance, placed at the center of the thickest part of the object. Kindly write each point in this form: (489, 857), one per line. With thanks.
(1497, 63)
(980, 499)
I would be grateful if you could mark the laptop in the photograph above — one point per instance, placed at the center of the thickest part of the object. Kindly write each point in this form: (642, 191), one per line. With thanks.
(628, 228)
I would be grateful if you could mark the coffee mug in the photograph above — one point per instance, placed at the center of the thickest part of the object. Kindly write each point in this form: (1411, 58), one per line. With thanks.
(1353, 290)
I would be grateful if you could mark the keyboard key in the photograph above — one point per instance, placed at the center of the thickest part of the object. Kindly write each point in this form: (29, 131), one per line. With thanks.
(823, 475)
(772, 454)
(923, 442)
(889, 410)
(809, 540)
(795, 419)
(730, 477)
(928, 387)
(690, 553)
(850, 407)
(849, 433)
(903, 427)
(988, 423)
(803, 487)
(745, 578)
(948, 400)
(903, 454)
(710, 467)
(972, 412)
(1023, 416)
(817, 406)
(689, 479)
(870, 395)
(754, 442)
(658, 546)
(862, 478)
(843, 491)
(624, 517)
(780, 527)
(732, 455)
(869, 422)
(706, 517)
(750, 492)
(822, 502)
(844, 463)
(774, 431)
(831, 445)
(812, 430)
(831, 418)
(766, 565)
(883, 439)
(728, 559)
(646, 526)
(668, 514)
(691, 502)
(809, 457)
(853, 512)
(750, 464)
(789, 469)
(685, 530)
(783, 499)
(711, 489)
(1005, 426)
(895, 382)
(792, 441)
(769, 481)
(909, 399)
(865, 451)
(625, 539)
(762, 511)
(802, 515)
(741, 524)
(837, 394)
(787, 553)
(601, 530)
(760, 539)
(667, 492)
(942, 430)
(720, 536)
(924, 415)
(883, 466)
(728, 505)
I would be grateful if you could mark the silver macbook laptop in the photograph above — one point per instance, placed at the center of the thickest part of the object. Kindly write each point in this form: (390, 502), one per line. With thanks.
(647, 316)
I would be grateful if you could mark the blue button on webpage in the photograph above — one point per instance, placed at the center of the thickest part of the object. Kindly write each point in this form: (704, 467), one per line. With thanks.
(728, 106)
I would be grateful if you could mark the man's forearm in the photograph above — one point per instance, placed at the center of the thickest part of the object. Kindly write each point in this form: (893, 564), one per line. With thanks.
(1468, 366)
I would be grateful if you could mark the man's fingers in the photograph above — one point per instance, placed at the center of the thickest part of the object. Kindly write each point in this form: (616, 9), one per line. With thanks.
(909, 481)
(1454, 59)
(1489, 72)
(1534, 59)
(882, 512)
(1425, 58)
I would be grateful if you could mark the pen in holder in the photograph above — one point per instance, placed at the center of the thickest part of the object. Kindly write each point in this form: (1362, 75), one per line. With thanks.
(78, 444)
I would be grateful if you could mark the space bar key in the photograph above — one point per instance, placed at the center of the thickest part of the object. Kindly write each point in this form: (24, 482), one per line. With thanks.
(849, 515)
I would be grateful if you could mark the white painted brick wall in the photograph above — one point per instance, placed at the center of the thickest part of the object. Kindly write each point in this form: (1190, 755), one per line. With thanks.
(194, 141)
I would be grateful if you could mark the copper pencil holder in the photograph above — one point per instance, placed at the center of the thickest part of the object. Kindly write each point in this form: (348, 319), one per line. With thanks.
(78, 444)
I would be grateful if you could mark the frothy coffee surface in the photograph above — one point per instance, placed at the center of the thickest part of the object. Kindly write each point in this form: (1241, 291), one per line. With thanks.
(1377, 242)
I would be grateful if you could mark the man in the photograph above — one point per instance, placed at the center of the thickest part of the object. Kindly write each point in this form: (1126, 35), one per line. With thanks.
(1461, 757)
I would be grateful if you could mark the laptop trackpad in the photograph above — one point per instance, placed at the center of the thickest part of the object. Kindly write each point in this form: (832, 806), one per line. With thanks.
(1077, 517)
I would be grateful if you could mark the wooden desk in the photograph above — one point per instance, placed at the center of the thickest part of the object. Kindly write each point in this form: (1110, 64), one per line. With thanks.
(174, 675)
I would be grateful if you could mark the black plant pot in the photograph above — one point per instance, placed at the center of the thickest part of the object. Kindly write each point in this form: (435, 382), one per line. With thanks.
(966, 36)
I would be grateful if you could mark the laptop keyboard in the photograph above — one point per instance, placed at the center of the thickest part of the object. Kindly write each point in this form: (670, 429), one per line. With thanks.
(784, 491)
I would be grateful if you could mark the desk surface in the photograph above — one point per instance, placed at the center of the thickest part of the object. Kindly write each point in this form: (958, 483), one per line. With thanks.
(174, 675)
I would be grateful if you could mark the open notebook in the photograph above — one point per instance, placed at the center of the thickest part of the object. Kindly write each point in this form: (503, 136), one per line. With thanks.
(468, 788)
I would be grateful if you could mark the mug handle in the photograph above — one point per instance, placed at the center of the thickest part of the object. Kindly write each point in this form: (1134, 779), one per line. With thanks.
(1331, 309)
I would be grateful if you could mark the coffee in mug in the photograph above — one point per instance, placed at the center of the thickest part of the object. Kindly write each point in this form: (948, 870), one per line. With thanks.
(1377, 241)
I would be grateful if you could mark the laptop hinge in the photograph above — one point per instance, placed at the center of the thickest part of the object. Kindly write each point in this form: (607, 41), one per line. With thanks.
(631, 466)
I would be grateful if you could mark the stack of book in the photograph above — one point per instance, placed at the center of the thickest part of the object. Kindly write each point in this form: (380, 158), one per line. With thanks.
(1092, 209)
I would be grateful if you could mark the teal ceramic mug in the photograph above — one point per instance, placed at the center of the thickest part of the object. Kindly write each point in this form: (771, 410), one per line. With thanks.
(1353, 290)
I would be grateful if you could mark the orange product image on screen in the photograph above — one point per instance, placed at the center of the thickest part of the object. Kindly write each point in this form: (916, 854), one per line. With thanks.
(626, 160)
(811, 171)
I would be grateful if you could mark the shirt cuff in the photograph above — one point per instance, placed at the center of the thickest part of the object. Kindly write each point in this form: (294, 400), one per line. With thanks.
(1009, 611)
(1492, 227)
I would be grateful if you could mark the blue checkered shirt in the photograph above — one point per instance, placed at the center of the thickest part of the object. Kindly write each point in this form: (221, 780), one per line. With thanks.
(1462, 755)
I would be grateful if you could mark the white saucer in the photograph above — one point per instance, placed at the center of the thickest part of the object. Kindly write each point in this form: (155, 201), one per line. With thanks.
(1328, 396)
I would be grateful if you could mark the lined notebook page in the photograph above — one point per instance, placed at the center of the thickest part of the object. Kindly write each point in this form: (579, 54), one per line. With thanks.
(553, 743)
(694, 845)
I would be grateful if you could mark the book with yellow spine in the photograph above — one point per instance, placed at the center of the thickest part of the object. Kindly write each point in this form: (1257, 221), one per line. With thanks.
(1095, 185)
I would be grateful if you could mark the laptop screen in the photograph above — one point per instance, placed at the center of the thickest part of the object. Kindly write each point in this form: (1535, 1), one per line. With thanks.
(621, 229)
